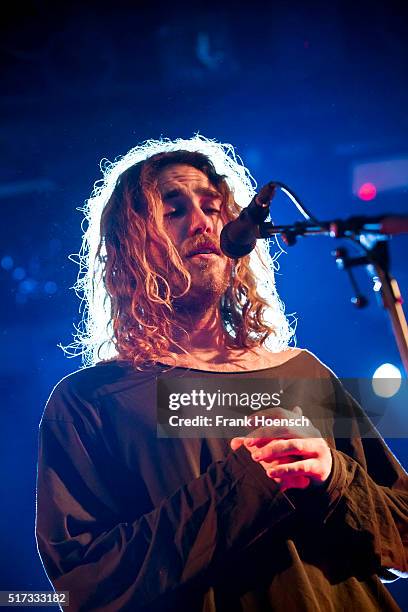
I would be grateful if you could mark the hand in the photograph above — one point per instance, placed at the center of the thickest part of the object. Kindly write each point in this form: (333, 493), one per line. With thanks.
(293, 457)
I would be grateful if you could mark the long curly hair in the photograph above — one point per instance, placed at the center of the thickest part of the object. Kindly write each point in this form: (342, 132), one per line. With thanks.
(127, 301)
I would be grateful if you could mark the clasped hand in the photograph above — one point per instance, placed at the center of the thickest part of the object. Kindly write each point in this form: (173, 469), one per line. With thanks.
(293, 457)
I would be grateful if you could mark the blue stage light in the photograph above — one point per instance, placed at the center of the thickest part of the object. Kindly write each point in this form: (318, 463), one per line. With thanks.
(50, 287)
(7, 262)
(27, 286)
(19, 273)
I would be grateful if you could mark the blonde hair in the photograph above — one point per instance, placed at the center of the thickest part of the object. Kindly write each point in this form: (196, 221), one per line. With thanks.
(126, 301)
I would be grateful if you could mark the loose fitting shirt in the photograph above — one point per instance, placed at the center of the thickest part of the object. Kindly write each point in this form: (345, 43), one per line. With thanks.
(129, 521)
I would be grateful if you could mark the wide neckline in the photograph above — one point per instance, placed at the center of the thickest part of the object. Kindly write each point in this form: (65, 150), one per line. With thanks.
(279, 365)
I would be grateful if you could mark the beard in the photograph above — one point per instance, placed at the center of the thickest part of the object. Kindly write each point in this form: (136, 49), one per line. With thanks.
(210, 280)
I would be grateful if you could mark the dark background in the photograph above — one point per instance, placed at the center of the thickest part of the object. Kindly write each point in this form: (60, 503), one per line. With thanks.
(306, 91)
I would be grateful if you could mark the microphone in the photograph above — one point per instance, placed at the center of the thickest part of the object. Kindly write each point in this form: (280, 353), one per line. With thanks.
(238, 237)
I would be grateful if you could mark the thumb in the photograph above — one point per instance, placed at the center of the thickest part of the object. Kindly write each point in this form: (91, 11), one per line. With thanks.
(297, 410)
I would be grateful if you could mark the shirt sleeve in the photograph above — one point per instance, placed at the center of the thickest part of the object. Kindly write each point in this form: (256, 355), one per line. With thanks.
(109, 563)
(365, 501)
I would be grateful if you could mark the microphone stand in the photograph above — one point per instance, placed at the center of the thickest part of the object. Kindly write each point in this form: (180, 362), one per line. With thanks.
(371, 234)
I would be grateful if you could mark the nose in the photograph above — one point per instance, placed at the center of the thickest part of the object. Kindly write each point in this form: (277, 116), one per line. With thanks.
(199, 222)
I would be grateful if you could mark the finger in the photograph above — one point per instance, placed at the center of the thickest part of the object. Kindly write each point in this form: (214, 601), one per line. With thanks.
(294, 482)
(269, 465)
(257, 442)
(288, 482)
(308, 447)
(261, 436)
(309, 468)
(279, 416)
(236, 443)
(279, 449)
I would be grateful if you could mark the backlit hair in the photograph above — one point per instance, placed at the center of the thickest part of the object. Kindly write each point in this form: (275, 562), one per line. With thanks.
(127, 302)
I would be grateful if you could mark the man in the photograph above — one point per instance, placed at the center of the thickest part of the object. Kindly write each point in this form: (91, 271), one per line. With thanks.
(130, 521)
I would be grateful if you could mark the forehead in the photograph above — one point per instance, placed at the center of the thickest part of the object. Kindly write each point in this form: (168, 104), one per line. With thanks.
(181, 175)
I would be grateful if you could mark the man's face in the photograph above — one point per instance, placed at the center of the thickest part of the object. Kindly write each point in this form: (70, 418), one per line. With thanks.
(193, 221)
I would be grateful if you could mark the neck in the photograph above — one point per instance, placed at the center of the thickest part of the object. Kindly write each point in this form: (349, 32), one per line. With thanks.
(205, 331)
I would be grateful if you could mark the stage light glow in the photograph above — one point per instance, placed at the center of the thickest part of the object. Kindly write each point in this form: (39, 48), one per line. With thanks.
(386, 380)
(7, 262)
(19, 273)
(27, 286)
(377, 284)
(367, 191)
(385, 174)
(50, 287)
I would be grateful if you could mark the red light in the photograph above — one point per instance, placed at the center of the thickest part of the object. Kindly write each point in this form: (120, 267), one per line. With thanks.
(367, 191)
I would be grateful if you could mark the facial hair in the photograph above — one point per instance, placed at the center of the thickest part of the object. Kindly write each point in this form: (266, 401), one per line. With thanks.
(210, 278)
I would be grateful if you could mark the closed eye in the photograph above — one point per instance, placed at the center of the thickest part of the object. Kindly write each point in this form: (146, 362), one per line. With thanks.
(177, 212)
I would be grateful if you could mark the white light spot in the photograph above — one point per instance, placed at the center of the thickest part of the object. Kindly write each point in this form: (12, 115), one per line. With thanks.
(386, 380)
(377, 284)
